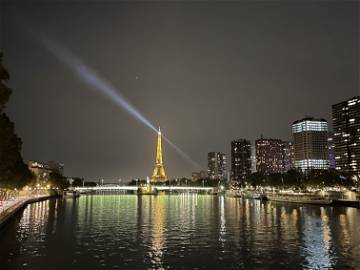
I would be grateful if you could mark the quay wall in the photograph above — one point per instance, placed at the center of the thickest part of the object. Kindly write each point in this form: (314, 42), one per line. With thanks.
(10, 212)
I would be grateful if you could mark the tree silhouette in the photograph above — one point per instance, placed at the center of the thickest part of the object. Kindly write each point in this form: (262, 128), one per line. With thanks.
(13, 172)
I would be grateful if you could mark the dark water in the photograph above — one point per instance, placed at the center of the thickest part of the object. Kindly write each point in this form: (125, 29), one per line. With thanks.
(179, 232)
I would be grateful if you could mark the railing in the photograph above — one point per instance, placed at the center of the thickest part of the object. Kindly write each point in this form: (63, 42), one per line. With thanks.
(9, 206)
(135, 188)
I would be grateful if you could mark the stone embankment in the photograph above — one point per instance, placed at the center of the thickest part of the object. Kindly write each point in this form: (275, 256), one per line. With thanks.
(9, 208)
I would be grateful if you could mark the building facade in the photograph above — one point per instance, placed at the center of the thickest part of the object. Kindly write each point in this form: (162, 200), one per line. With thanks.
(55, 166)
(346, 124)
(311, 144)
(331, 149)
(240, 160)
(202, 175)
(288, 155)
(42, 171)
(269, 156)
(253, 159)
(217, 165)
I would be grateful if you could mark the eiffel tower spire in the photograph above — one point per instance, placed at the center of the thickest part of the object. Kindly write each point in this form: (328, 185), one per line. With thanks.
(159, 170)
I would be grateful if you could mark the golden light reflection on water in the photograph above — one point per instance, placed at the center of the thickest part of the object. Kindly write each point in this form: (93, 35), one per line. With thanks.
(344, 228)
(157, 214)
(35, 220)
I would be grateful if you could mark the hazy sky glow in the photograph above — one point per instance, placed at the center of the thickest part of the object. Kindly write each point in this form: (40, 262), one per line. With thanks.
(206, 72)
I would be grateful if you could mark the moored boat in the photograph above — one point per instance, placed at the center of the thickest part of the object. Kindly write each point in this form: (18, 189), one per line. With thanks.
(233, 193)
(71, 193)
(147, 190)
(345, 202)
(253, 194)
(301, 198)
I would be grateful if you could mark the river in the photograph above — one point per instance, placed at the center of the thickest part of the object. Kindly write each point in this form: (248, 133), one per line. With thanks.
(185, 231)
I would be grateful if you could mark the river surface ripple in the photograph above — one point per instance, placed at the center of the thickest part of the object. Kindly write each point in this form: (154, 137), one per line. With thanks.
(185, 231)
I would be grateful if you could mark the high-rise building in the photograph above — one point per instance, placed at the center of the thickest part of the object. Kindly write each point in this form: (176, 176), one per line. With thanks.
(253, 158)
(288, 155)
(240, 160)
(217, 165)
(310, 143)
(269, 156)
(331, 149)
(346, 124)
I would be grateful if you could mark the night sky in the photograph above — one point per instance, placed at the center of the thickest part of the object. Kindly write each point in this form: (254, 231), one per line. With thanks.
(206, 72)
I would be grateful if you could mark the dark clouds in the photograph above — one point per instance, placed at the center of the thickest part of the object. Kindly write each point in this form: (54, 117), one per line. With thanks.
(206, 72)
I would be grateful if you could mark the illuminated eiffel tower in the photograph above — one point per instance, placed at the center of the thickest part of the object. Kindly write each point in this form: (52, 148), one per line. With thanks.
(159, 170)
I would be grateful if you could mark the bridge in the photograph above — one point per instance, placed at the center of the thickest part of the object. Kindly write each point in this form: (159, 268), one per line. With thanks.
(135, 188)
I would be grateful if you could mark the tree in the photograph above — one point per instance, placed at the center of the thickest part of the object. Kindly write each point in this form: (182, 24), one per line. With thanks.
(13, 172)
(90, 184)
(256, 179)
(58, 180)
(293, 178)
(78, 182)
(5, 92)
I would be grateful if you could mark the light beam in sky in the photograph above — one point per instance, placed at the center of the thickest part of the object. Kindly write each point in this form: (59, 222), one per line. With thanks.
(104, 87)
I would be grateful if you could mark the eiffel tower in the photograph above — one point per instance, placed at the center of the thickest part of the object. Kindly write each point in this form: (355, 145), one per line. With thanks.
(159, 170)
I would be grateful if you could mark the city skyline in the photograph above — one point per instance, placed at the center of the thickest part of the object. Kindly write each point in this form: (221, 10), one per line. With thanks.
(230, 84)
(179, 134)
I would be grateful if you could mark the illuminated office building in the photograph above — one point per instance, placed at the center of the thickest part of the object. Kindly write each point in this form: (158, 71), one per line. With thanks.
(253, 159)
(269, 156)
(311, 143)
(288, 155)
(331, 149)
(240, 160)
(217, 165)
(346, 124)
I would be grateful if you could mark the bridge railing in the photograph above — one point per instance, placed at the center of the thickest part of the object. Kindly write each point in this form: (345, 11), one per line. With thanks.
(134, 188)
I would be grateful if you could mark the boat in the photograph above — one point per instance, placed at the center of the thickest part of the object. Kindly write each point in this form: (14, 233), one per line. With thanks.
(301, 198)
(345, 202)
(253, 194)
(71, 193)
(147, 190)
(236, 193)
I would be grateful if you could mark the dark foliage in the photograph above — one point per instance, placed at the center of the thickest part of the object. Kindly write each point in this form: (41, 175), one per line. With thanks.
(58, 180)
(300, 180)
(13, 172)
(78, 182)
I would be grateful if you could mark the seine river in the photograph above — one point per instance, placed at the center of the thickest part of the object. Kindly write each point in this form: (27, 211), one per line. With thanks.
(179, 232)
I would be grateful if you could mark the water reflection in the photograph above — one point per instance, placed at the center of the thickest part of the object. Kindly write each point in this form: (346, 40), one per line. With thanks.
(158, 232)
(187, 231)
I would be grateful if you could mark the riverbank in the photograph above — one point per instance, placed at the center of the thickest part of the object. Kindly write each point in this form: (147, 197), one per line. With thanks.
(10, 207)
